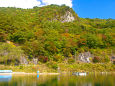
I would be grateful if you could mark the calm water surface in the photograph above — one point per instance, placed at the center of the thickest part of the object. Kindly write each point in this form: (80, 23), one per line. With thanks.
(58, 80)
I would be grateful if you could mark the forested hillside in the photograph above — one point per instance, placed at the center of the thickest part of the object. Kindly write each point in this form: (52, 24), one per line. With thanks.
(53, 33)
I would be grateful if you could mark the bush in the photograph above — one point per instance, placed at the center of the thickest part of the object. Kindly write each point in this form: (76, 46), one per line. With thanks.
(106, 59)
(114, 62)
(9, 53)
(3, 36)
(43, 59)
(92, 41)
(96, 59)
(58, 58)
(71, 60)
(21, 67)
(52, 64)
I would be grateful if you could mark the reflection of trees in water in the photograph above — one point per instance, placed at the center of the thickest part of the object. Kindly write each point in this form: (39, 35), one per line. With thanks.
(84, 84)
(89, 80)
(104, 79)
(74, 81)
(34, 81)
(52, 82)
(61, 80)
(29, 80)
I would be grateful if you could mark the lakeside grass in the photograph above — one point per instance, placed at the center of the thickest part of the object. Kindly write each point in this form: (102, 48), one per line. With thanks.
(28, 68)
(62, 68)
(87, 67)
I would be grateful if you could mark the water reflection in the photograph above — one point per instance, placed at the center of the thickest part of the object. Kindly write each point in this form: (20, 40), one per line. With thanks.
(37, 76)
(5, 78)
(60, 80)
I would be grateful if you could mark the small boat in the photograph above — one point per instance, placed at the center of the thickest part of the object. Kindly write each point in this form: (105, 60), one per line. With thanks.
(5, 71)
(79, 73)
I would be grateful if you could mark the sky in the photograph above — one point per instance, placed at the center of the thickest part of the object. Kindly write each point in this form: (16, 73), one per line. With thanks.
(103, 9)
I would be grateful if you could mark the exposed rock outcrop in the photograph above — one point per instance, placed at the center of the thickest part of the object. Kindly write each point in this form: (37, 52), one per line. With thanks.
(34, 61)
(23, 60)
(56, 13)
(68, 17)
(85, 57)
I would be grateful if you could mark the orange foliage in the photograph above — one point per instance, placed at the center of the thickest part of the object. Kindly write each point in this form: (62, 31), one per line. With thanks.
(100, 36)
(77, 36)
(104, 37)
(82, 41)
(39, 33)
(66, 34)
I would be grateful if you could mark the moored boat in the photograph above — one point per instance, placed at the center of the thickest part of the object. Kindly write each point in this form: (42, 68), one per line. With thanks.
(80, 73)
(5, 71)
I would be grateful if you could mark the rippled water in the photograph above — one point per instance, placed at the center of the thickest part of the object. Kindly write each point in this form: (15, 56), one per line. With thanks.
(58, 80)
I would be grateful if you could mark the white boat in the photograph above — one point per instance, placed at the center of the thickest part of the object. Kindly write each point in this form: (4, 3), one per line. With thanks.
(80, 73)
(5, 71)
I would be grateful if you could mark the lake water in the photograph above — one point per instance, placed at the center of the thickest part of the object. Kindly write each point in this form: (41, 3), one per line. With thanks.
(58, 80)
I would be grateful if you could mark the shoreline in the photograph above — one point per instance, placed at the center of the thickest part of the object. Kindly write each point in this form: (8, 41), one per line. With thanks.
(24, 73)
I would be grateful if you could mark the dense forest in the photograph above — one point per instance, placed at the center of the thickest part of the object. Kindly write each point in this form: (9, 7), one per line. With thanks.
(45, 34)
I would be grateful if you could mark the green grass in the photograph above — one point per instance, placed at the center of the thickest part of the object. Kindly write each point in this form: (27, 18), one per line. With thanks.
(28, 68)
(76, 67)
(87, 67)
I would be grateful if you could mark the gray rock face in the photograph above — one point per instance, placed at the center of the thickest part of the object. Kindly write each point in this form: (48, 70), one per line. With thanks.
(85, 57)
(23, 60)
(34, 61)
(68, 17)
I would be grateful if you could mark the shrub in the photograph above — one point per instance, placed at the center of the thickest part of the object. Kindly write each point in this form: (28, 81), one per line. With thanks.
(43, 59)
(52, 64)
(58, 58)
(9, 53)
(3, 36)
(96, 59)
(21, 67)
(106, 59)
(92, 41)
(114, 62)
(71, 60)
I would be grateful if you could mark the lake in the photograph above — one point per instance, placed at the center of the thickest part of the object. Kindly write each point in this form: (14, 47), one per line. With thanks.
(58, 80)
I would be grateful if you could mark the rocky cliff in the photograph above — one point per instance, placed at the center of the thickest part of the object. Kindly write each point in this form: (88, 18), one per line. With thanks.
(56, 13)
